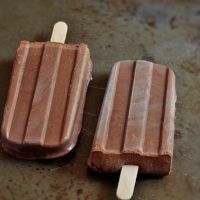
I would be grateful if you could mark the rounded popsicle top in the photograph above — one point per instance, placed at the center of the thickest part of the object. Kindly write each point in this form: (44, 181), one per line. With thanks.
(59, 32)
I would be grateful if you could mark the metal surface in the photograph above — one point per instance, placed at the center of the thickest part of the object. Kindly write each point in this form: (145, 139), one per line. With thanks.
(166, 32)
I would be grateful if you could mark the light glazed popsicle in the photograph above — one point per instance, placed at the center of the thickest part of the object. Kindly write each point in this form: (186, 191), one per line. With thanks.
(136, 123)
(44, 108)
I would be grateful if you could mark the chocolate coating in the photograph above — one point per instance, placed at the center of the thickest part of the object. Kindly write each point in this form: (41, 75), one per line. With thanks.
(44, 109)
(136, 124)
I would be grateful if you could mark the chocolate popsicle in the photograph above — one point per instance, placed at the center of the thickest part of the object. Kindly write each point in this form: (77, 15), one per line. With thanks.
(44, 108)
(136, 123)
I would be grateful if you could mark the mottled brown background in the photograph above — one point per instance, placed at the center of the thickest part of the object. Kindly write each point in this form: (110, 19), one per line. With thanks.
(166, 32)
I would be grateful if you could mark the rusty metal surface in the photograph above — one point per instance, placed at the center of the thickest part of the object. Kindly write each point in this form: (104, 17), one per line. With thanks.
(166, 32)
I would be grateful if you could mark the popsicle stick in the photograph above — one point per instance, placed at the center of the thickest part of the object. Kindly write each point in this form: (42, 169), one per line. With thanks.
(59, 32)
(127, 181)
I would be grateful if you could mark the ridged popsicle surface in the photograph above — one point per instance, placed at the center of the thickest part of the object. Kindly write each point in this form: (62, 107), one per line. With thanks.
(136, 124)
(46, 97)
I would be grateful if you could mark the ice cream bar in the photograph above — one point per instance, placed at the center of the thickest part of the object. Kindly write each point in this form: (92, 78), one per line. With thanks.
(44, 108)
(136, 123)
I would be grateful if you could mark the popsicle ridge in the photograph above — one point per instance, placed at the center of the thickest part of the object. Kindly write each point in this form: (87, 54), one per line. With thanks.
(138, 107)
(166, 140)
(17, 80)
(31, 97)
(75, 91)
(44, 92)
(161, 141)
(68, 97)
(105, 114)
(128, 107)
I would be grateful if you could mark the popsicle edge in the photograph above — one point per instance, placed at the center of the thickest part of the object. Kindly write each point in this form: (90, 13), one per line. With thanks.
(7, 119)
(98, 138)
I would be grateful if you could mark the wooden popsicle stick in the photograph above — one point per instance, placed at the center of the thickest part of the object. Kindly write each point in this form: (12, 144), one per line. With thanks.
(59, 32)
(127, 181)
